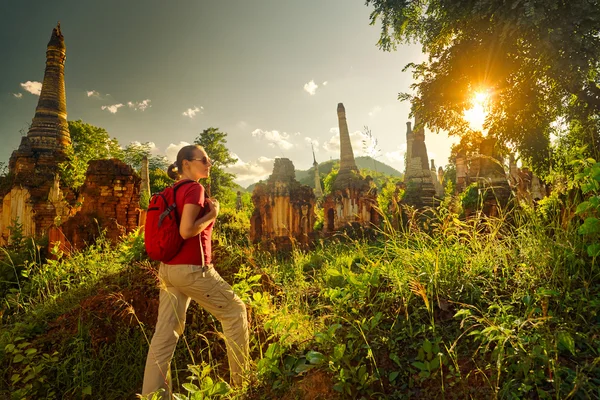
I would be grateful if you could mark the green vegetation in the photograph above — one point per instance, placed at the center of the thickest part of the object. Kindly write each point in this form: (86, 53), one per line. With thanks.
(214, 142)
(481, 308)
(537, 59)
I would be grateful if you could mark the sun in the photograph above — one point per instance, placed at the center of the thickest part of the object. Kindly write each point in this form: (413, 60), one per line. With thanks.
(475, 116)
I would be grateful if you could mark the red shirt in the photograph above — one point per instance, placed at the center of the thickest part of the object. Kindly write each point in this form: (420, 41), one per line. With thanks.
(193, 193)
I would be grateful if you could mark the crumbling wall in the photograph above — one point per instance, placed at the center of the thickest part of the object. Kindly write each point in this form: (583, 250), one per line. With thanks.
(110, 201)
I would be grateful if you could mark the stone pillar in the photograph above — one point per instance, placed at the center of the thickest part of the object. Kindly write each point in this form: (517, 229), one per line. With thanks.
(409, 143)
(145, 175)
(421, 188)
(461, 171)
(318, 189)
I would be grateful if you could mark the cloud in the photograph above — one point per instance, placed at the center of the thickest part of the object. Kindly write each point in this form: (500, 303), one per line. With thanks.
(361, 144)
(312, 142)
(18, 95)
(397, 156)
(374, 111)
(112, 109)
(191, 112)
(154, 150)
(173, 149)
(252, 171)
(311, 87)
(242, 124)
(92, 93)
(275, 138)
(32, 87)
(141, 105)
(325, 83)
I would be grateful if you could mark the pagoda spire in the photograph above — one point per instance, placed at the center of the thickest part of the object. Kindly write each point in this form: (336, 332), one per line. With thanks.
(348, 169)
(49, 129)
(318, 189)
(346, 154)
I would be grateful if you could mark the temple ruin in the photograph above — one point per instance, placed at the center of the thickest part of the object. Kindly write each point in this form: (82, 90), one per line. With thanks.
(420, 180)
(110, 200)
(36, 199)
(353, 199)
(487, 170)
(284, 210)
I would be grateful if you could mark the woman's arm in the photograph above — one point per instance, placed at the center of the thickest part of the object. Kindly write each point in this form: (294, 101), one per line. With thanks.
(189, 225)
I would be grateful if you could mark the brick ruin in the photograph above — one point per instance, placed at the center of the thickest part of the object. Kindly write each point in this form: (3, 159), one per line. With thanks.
(110, 200)
(422, 186)
(284, 210)
(34, 196)
(353, 200)
(487, 170)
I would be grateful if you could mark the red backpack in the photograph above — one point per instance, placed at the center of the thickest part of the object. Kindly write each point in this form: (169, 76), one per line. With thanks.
(161, 232)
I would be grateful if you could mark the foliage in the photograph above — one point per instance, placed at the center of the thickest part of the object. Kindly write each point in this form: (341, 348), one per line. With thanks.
(134, 153)
(386, 194)
(214, 142)
(477, 308)
(159, 180)
(330, 179)
(469, 198)
(537, 59)
(88, 143)
(589, 179)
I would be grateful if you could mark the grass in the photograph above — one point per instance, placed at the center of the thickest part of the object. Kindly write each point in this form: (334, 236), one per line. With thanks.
(444, 307)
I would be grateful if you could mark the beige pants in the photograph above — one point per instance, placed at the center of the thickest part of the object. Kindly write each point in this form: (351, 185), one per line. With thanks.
(179, 284)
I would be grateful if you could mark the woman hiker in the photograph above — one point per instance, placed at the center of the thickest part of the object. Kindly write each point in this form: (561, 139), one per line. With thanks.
(190, 275)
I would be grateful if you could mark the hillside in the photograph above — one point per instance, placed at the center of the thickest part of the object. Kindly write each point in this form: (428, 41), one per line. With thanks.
(306, 177)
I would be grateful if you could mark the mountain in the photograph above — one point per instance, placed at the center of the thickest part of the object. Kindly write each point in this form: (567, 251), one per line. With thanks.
(306, 177)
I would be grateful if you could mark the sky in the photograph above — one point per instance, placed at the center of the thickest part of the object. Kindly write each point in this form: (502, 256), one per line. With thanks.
(268, 73)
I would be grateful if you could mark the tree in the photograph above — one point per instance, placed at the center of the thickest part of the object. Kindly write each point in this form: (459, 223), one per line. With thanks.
(88, 143)
(214, 142)
(539, 60)
(134, 153)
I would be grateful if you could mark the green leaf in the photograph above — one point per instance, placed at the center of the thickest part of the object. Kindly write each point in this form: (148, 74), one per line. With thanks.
(393, 375)
(87, 390)
(333, 272)
(593, 250)
(18, 358)
(421, 366)
(427, 346)
(220, 388)
(30, 351)
(565, 340)
(435, 363)
(583, 207)
(314, 357)
(463, 312)
(338, 351)
(303, 367)
(591, 225)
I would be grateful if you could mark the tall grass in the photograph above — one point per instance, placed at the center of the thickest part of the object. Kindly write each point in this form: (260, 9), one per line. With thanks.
(442, 307)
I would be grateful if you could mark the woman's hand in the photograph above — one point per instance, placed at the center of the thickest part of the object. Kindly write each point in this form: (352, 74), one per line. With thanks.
(214, 207)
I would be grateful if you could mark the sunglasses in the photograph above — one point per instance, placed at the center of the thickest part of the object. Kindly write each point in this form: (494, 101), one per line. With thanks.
(204, 160)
